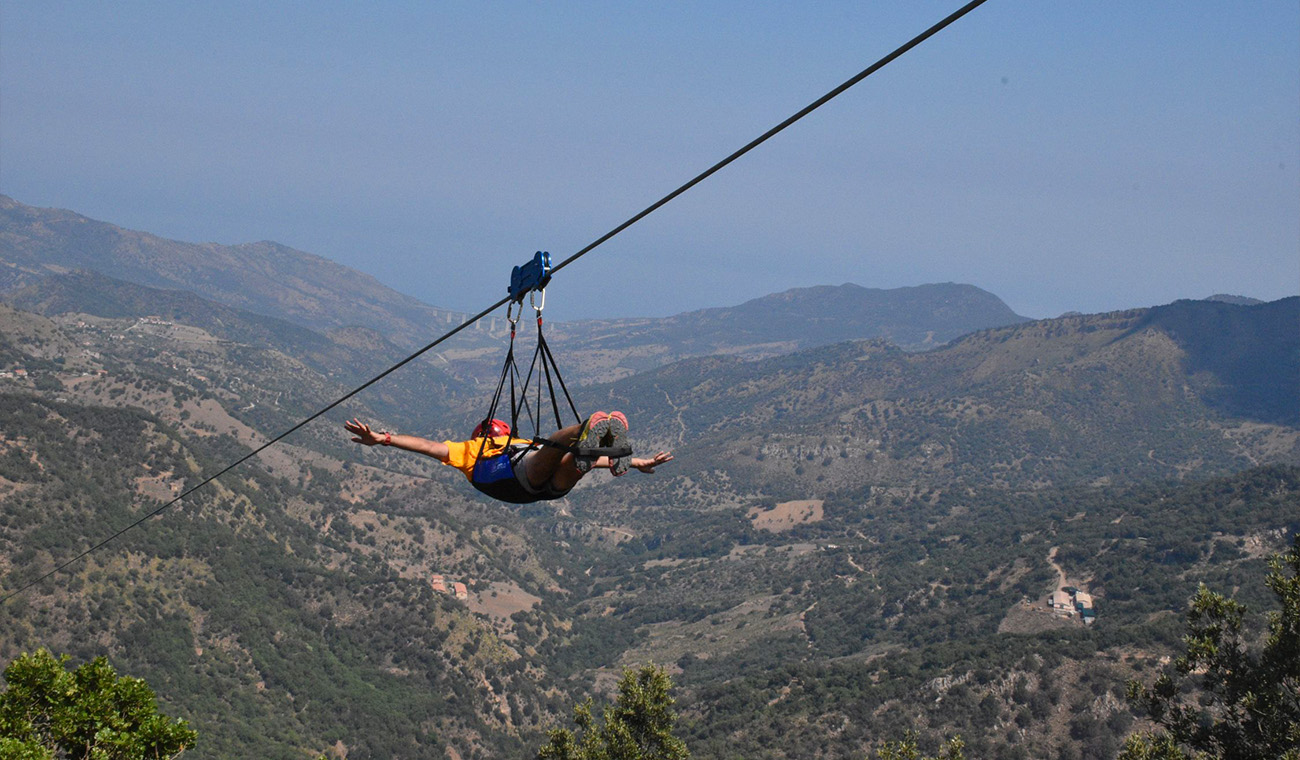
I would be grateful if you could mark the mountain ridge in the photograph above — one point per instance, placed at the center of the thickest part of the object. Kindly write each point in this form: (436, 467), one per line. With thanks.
(916, 318)
(278, 281)
(266, 278)
(1122, 396)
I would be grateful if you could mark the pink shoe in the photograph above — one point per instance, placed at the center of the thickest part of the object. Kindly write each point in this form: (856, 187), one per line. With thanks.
(617, 425)
(593, 431)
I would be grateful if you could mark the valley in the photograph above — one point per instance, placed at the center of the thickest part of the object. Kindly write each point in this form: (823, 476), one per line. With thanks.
(854, 540)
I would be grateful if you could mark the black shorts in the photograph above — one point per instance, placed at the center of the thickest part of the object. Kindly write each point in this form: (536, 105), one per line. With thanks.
(507, 480)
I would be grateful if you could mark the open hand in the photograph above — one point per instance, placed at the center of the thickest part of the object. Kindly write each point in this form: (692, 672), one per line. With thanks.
(648, 465)
(362, 433)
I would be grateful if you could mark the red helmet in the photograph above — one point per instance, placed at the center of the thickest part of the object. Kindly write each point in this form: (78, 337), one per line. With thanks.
(495, 428)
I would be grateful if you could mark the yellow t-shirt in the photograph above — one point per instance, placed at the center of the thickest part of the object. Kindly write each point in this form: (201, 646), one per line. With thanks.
(463, 455)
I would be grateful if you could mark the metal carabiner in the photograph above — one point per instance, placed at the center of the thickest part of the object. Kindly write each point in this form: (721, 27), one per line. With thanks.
(532, 299)
(513, 320)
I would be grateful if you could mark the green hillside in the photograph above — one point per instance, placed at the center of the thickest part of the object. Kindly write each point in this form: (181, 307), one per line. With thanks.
(929, 613)
(812, 611)
(256, 609)
(1113, 398)
(854, 540)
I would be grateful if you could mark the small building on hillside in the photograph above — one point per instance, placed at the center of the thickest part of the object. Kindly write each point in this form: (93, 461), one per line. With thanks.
(438, 583)
(462, 592)
(1083, 603)
(1069, 601)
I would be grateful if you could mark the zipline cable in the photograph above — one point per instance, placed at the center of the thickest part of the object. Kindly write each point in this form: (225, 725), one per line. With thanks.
(60, 567)
(813, 106)
(873, 68)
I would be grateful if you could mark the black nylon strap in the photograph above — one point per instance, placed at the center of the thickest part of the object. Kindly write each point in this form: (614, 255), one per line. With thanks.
(546, 347)
(542, 366)
(496, 396)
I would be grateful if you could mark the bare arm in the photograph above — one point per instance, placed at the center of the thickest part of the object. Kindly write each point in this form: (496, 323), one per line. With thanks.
(644, 465)
(362, 434)
(648, 465)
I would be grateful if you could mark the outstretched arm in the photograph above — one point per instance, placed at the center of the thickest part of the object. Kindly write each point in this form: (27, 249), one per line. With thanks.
(362, 434)
(648, 465)
(644, 465)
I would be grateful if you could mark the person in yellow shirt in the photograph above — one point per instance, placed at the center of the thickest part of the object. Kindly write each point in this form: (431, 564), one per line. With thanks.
(516, 470)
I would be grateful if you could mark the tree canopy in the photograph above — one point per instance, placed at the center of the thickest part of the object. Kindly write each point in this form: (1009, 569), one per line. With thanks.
(638, 726)
(906, 749)
(1223, 697)
(88, 713)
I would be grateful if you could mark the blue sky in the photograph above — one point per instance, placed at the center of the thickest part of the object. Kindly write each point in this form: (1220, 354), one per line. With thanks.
(1064, 155)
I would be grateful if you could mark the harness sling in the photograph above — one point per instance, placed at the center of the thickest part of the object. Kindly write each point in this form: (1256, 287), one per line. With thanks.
(529, 280)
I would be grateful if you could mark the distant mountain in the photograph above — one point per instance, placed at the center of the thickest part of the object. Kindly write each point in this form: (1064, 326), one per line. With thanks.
(279, 282)
(266, 278)
(914, 318)
(1235, 300)
(88, 292)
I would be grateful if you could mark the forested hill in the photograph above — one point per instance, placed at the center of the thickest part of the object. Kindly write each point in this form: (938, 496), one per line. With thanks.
(1172, 392)
(848, 534)
(276, 609)
(1252, 354)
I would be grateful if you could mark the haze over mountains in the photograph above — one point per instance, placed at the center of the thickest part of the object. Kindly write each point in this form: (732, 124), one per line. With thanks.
(872, 494)
(265, 278)
(274, 280)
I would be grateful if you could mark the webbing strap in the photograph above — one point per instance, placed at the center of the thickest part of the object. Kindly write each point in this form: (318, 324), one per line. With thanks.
(542, 366)
(508, 370)
(550, 358)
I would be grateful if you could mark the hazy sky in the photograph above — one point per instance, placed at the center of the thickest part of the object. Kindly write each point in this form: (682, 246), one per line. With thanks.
(1065, 155)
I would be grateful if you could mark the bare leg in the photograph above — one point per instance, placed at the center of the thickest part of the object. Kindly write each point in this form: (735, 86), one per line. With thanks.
(555, 466)
(566, 475)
